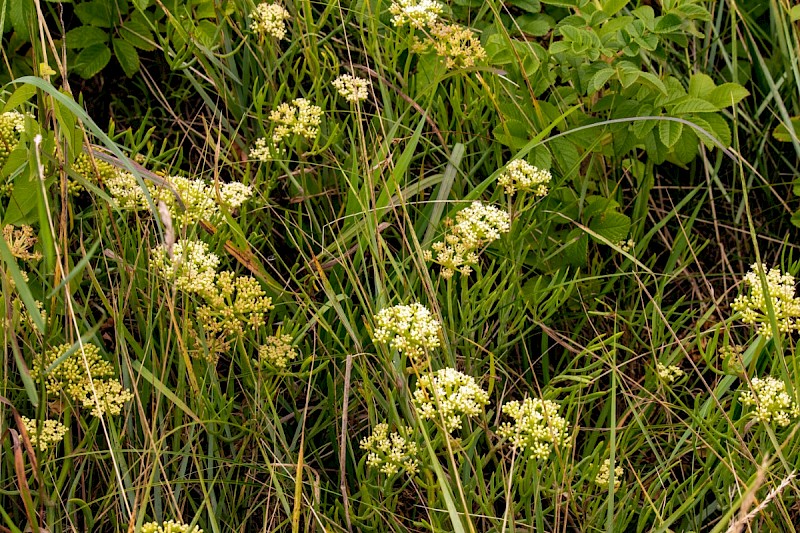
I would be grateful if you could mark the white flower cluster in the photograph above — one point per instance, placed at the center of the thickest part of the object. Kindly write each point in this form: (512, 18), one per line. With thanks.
(448, 395)
(476, 226)
(170, 526)
(268, 19)
(234, 194)
(772, 402)
(523, 177)
(300, 117)
(416, 13)
(669, 373)
(46, 435)
(410, 329)
(604, 475)
(277, 351)
(106, 397)
(390, 452)
(351, 88)
(780, 290)
(537, 426)
(460, 46)
(192, 268)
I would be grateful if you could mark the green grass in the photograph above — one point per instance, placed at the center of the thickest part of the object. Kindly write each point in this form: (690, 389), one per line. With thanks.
(336, 231)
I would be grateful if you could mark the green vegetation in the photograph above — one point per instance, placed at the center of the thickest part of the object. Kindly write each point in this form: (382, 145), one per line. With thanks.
(399, 265)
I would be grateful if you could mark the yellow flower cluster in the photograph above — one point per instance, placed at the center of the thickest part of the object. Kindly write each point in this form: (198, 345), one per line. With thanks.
(627, 245)
(351, 88)
(192, 268)
(46, 435)
(234, 302)
(523, 177)
(197, 198)
(752, 305)
(20, 242)
(772, 402)
(459, 45)
(476, 227)
(448, 395)
(169, 526)
(277, 351)
(416, 13)
(107, 397)
(537, 426)
(264, 151)
(268, 19)
(410, 329)
(12, 123)
(390, 452)
(300, 117)
(604, 475)
(669, 373)
(79, 375)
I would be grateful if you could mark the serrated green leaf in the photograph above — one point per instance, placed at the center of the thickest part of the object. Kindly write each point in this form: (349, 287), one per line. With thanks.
(92, 60)
(668, 23)
(535, 24)
(611, 7)
(531, 6)
(685, 150)
(700, 85)
(669, 131)
(19, 97)
(84, 37)
(716, 126)
(727, 94)
(600, 78)
(781, 133)
(643, 127)
(127, 56)
(611, 225)
(693, 105)
(95, 13)
(20, 12)
(577, 247)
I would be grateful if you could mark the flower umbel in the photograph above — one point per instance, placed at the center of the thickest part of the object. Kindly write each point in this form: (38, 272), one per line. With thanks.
(192, 268)
(234, 303)
(415, 13)
(448, 396)
(604, 475)
(521, 176)
(351, 88)
(459, 45)
(752, 305)
(772, 402)
(669, 373)
(46, 435)
(268, 19)
(300, 117)
(170, 526)
(20, 241)
(107, 397)
(390, 452)
(411, 329)
(277, 351)
(537, 426)
(476, 226)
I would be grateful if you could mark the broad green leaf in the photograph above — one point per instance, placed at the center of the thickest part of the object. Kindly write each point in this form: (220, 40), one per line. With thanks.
(611, 225)
(716, 126)
(127, 56)
(21, 208)
(727, 94)
(19, 97)
(137, 32)
(84, 37)
(22, 16)
(577, 247)
(693, 105)
(535, 24)
(794, 13)
(782, 133)
(669, 131)
(531, 6)
(600, 78)
(685, 150)
(700, 85)
(92, 60)
(668, 23)
(643, 127)
(95, 13)
(611, 7)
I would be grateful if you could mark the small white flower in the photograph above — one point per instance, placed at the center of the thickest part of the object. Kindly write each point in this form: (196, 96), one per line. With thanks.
(351, 88)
